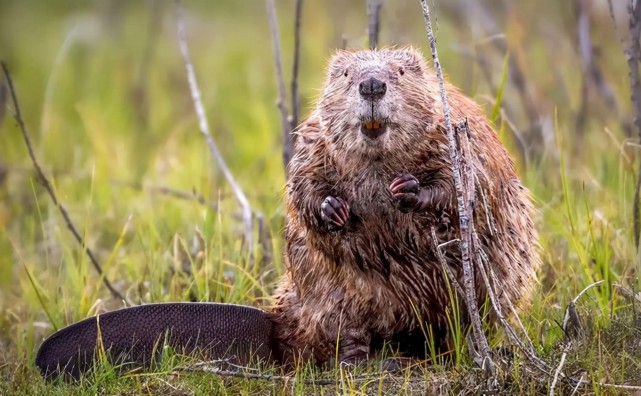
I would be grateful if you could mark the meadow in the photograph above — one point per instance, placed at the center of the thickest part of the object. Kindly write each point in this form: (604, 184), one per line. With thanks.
(104, 95)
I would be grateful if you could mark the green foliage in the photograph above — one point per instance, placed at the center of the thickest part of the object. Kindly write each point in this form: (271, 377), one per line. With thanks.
(104, 95)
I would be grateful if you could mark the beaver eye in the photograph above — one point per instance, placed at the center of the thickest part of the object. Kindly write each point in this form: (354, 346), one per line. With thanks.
(401, 71)
(345, 73)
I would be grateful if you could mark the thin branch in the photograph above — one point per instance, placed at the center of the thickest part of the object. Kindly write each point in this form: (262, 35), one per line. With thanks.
(47, 185)
(295, 93)
(557, 372)
(526, 348)
(576, 387)
(633, 57)
(288, 137)
(441, 258)
(204, 129)
(373, 21)
(463, 212)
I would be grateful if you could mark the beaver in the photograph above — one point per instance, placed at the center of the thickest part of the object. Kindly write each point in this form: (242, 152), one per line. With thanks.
(370, 178)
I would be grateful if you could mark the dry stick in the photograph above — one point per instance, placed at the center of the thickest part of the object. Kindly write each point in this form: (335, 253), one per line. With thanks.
(204, 129)
(557, 372)
(633, 55)
(288, 137)
(295, 67)
(441, 258)
(526, 348)
(464, 218)
(49, 188)
(373, 21)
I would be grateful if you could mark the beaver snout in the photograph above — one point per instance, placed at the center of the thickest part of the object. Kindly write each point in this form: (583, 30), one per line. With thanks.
(372, 89)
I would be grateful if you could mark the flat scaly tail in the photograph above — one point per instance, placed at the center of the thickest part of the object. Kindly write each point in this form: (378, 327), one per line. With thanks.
(134, 336)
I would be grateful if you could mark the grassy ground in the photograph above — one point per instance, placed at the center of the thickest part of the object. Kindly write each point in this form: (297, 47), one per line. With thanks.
(105, 98)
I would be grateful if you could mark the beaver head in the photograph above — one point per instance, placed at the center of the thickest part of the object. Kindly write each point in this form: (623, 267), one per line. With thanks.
(376, 102)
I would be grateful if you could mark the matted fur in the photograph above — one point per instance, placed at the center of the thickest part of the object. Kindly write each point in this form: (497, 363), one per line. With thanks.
(378, 277)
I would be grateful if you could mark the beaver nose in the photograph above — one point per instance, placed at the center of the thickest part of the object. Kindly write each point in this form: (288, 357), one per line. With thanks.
(372, 89)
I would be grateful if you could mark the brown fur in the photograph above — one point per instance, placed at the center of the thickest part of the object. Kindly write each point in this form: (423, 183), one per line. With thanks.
(378, 277)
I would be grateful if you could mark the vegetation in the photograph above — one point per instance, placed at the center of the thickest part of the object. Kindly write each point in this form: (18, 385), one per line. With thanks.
(104, 95)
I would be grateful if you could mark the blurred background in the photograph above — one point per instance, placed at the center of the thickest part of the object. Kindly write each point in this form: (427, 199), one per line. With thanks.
(104, 94)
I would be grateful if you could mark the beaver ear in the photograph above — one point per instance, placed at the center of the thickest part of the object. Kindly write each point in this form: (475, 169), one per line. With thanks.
(339, 63)
(412, 59)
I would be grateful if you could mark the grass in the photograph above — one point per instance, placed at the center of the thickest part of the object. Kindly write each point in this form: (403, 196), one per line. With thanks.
(105, 97)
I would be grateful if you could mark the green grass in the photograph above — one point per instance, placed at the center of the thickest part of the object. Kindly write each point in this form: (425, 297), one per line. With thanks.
(111, 107)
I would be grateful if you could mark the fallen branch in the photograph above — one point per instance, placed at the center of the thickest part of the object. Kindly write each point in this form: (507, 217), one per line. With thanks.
(204, 129)
(47, 185)
(464, 205)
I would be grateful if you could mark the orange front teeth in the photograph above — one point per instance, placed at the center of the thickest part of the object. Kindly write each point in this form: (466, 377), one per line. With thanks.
(372, 125)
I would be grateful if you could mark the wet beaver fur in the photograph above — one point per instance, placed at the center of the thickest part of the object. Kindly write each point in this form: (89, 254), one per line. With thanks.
(370, 176)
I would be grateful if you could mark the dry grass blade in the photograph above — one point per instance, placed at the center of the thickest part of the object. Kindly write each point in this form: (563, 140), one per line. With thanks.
(463, 213)
(204, 129)
(288, 136)
(47, 185)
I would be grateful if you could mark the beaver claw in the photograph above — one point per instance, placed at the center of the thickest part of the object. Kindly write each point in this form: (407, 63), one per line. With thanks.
(405, 190)
(334, 212)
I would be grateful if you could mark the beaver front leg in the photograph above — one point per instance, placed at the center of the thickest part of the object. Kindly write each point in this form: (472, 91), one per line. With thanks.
(411, 197)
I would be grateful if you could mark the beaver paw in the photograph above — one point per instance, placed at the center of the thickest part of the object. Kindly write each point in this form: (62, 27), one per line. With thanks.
(405, 190)
(334, 212)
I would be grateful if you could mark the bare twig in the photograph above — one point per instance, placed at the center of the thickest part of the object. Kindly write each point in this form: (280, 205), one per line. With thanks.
(526, 348)
(295, 67)
(557, 372)
(373, 21)
(47, 185)
(463, 207)
(633, 55)
(576, 387)
(441, 258)
(204, 129)
(288, 136)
